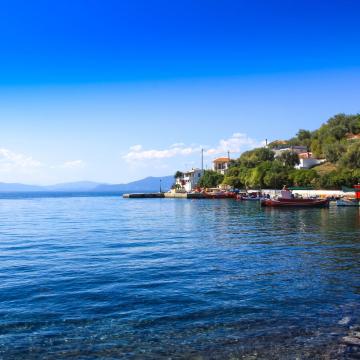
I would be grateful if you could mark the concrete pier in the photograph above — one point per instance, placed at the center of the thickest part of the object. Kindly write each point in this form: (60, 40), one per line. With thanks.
(167, 195)
(184, 196)
(144, 196)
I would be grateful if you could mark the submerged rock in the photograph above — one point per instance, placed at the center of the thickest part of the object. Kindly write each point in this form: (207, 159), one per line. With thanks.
(351, 340)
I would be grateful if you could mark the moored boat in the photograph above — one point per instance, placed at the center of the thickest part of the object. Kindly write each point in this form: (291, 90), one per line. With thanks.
(219, 194)
(280, 202)
(287, 199)
(348, 202)
(254, 196)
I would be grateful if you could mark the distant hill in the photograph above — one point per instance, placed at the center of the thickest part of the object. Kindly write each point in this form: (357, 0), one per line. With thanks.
(74, 186)
(149, 184)
(15, 187)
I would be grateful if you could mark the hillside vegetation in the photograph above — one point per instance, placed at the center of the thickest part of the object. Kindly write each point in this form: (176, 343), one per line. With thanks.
(337, 141)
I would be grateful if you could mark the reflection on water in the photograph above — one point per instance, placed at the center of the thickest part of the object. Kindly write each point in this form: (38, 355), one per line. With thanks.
(103, 277)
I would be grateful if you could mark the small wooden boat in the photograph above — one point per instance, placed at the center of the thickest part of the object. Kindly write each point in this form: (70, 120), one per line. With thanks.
(280, 202)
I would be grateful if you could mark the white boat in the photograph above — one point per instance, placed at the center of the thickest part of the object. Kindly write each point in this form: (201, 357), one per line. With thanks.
(348, 202)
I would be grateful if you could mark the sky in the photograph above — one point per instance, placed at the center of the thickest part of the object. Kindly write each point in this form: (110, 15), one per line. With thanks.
(114, 91)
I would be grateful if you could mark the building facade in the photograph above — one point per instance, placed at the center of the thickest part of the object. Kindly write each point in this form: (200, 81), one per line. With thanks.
(221, 165)
(189, 179)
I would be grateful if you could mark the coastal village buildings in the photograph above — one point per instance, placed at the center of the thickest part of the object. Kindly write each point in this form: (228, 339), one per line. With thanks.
(307, 160)
(189, 179)
(221, 165)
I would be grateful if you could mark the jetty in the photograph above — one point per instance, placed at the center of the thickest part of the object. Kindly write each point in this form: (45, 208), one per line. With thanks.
(144, 196)
(167, 195)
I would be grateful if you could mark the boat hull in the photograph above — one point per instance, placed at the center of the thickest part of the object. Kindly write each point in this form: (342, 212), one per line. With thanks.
(295, 202)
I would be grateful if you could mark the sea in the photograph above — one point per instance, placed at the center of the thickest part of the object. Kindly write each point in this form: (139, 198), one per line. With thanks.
(96, 276)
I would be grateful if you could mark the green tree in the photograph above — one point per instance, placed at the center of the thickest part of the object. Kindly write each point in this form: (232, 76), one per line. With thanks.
(289, 158)
(210, 179)
(178, 175)
(316, 147)
(233, 181)
(337, 179)
(254, 157)
(334, 151)
(354, 126)
(351, 158)
(339, 132)
(304, 135)
(304, 177)
(275, 179)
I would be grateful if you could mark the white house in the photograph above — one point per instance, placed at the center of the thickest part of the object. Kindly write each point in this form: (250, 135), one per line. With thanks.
(307, 161)
(298, 149)
(189, 180)
(221, 165)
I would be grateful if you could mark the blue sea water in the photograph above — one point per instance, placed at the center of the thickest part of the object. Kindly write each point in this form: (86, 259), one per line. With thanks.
(101, 277)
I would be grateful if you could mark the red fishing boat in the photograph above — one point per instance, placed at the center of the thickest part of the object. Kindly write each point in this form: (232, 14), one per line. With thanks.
(279, 202)
(288, 200)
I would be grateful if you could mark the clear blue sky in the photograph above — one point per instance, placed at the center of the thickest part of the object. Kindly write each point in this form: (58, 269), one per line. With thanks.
(117, 90)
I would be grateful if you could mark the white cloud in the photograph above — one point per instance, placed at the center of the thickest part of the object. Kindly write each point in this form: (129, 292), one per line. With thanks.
(138, 153)
(180, 144)
(74, 164)
(237, 143)
(136, 148)
(10, 161)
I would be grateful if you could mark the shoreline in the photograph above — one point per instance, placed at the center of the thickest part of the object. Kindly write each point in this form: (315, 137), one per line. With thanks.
(271, 192)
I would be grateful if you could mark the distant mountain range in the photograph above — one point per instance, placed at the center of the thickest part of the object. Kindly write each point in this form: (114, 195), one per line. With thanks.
(149, 184)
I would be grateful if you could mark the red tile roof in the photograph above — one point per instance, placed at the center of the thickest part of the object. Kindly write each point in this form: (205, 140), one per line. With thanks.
(221, 160)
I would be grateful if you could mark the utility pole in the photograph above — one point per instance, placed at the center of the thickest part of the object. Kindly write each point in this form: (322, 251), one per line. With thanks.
(202, 160)
(229, 155)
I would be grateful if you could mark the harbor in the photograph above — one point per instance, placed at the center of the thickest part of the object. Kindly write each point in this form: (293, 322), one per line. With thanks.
(269, 197)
